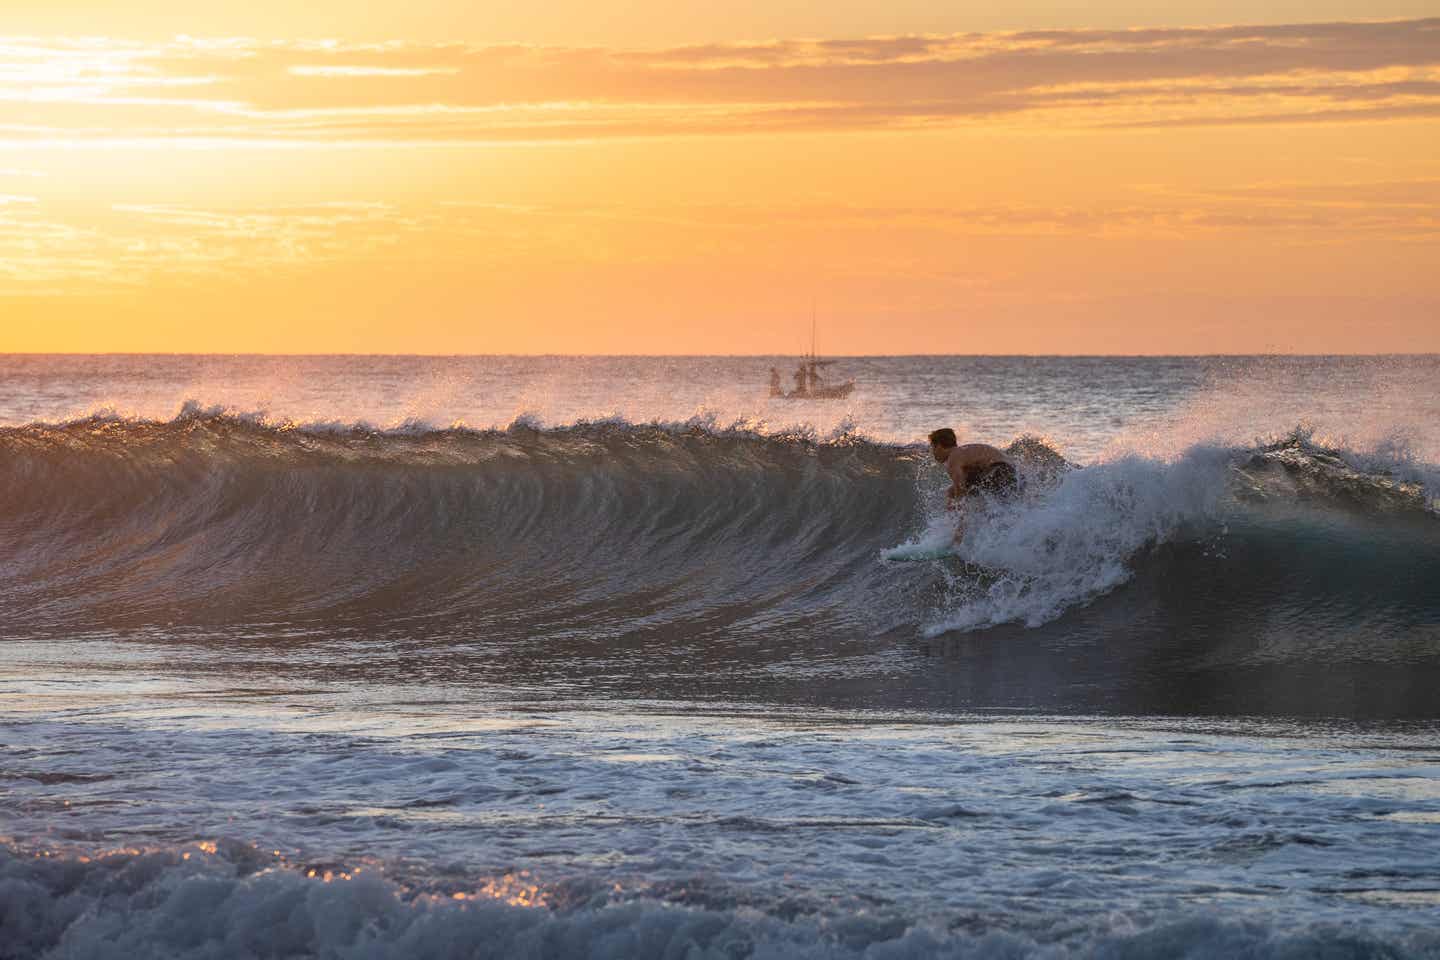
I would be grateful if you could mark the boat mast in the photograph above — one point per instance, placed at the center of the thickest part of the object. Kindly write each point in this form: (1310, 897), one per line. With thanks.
(812, 329)
(814, 380)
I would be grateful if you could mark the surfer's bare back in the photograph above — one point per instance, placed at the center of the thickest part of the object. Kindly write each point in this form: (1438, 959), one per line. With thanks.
(973, 467)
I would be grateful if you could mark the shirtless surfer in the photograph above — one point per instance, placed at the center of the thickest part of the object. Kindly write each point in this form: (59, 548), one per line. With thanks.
(973, 467)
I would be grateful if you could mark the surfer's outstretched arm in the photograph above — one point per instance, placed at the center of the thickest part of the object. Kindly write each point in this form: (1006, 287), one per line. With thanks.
(956, 508)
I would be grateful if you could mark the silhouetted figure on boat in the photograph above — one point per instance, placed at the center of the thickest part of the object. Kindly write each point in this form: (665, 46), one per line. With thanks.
(809, 385)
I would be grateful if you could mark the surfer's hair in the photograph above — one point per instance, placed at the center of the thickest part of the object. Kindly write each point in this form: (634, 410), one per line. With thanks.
(945, 437)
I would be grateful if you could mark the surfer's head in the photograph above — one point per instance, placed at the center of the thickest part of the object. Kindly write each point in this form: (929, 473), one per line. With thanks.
(942, 441)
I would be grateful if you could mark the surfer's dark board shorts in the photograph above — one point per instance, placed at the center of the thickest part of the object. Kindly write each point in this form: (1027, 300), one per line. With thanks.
(998, 480)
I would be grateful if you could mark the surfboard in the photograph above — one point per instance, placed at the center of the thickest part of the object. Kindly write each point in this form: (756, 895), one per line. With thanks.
(944, 553)
(911, 552)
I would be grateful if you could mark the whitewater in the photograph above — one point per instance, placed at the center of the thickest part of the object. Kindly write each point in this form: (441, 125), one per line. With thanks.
(375, 656)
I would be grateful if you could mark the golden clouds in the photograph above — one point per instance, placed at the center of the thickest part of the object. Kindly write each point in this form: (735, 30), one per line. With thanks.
(1038, 189)
(84, 90)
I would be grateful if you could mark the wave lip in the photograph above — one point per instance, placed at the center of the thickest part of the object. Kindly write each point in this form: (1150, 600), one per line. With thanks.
(1298, 466)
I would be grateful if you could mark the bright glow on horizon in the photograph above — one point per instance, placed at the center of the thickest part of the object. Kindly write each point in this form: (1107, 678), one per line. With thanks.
(1253, 188)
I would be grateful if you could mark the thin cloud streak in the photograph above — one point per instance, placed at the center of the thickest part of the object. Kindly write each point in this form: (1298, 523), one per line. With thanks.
(132, 244)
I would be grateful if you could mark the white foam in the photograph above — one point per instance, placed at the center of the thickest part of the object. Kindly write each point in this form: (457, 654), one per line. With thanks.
(1065, 545)
(682, 835)
(157, 905)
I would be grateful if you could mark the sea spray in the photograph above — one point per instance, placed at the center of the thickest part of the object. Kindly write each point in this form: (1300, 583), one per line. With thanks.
(218, 518)
(1067, 542)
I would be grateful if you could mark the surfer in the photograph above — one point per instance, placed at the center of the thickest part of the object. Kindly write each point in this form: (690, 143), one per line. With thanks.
(973, 468)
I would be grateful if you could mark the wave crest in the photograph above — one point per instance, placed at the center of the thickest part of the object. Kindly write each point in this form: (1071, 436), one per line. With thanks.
(691, 529)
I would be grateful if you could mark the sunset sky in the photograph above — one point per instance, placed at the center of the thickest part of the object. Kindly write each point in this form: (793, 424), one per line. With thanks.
(648, 177)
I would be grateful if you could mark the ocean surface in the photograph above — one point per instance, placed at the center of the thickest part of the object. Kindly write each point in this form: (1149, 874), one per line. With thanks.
(619, 657)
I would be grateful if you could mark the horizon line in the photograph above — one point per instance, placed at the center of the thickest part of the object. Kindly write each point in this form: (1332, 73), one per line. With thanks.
(661, 356)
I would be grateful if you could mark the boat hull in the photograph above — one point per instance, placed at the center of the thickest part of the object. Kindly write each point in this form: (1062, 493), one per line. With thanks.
(824, 393)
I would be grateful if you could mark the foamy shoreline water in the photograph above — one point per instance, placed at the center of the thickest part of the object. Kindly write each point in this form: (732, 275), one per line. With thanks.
(399, 827)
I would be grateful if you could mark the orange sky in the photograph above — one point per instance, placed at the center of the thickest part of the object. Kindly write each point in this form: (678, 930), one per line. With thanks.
(435, 179)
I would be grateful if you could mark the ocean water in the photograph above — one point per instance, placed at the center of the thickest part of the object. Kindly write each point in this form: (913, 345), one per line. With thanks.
(613, 657)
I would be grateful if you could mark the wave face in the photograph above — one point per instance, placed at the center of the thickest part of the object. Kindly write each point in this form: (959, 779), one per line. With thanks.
(661, 533)
(211, 519)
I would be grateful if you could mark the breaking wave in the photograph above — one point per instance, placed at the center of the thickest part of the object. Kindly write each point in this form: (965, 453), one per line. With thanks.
(229, 903)
(681, 530)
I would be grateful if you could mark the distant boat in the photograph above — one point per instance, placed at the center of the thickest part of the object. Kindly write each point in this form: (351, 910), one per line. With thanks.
(809, 385)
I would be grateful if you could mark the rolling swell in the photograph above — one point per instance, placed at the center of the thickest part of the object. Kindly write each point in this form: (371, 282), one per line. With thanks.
(596, 528)
(603, 532)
